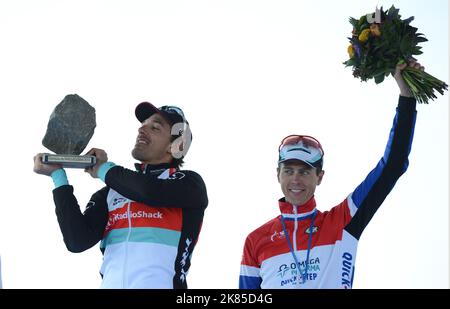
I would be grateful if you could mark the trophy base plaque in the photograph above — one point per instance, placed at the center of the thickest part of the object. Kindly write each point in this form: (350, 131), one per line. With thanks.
(72, 161)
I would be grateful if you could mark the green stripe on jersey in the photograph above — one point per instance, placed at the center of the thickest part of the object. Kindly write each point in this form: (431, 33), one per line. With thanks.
(142, 234)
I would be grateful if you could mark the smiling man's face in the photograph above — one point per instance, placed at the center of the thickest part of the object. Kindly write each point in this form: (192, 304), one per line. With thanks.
(153, 141)
(298, 181)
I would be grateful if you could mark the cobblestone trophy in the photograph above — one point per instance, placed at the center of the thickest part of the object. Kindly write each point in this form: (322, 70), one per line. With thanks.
(69, 130)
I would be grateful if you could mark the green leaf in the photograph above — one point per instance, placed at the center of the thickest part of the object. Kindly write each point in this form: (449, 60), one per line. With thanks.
(350, 62)
(421, 39)
(405, 44)
(379, 78)
(362, 20)
(393, 12)
(354, 22)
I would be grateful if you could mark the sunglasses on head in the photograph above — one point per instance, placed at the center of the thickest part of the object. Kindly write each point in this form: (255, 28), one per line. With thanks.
(306, 140)
(173, 110)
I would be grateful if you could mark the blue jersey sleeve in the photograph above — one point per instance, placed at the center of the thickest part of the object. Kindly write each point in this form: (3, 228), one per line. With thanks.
(370, 194)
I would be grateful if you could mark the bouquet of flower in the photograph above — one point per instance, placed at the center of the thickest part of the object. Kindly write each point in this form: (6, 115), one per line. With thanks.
(379, 44)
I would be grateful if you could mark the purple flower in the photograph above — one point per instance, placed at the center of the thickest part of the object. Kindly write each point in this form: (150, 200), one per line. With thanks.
(357, 50)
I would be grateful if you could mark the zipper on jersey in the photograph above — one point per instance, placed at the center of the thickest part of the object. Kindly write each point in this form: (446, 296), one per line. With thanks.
(124, 278)
(294, 236)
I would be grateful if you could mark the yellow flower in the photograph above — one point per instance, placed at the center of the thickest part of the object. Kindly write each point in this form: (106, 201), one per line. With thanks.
(350, 51)
(375, 30)
(364, 35)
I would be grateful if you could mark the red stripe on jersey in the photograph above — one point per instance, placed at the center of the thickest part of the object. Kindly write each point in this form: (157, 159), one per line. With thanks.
(167, 218)
(144, 216)
(269, 240)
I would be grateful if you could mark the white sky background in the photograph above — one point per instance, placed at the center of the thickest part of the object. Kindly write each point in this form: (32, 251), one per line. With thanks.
(246, 73)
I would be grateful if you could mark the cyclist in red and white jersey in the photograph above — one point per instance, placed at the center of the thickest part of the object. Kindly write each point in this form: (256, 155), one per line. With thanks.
(304, 247)
(147, 221)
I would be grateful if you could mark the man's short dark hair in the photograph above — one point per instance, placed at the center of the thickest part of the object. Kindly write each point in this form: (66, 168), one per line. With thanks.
(318, 167)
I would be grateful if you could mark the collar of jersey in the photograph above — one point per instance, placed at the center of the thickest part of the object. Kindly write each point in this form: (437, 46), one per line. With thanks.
(304, 211)
(151, 168)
